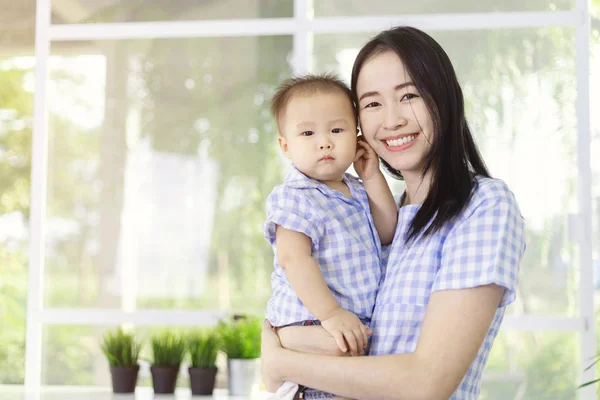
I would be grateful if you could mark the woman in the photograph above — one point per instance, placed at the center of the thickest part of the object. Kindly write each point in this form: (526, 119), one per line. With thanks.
(453, 264)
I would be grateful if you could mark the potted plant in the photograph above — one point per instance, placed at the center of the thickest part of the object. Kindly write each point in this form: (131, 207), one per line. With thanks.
(168, 351)
(203, 347)
(241, 343)
(122, 351)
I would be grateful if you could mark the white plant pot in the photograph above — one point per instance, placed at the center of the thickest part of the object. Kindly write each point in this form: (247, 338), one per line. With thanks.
(242, 376)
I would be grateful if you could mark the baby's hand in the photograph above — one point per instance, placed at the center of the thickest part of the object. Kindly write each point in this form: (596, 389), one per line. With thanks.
(348, 331)
(366, 162)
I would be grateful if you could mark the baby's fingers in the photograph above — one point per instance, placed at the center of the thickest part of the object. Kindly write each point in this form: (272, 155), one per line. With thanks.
(361, 340)
(352, 342)
(339, 339)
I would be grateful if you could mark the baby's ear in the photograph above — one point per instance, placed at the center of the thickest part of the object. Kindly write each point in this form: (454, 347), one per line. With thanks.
(283, 145)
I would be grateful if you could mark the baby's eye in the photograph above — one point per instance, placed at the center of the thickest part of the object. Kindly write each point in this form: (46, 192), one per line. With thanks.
(307, 133)
(337, 130)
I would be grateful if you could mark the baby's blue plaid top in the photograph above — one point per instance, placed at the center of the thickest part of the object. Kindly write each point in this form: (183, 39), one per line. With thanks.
(344, 244)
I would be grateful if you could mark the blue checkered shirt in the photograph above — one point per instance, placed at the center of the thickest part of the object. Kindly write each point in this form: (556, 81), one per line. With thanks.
(484, 245)
(344, 244)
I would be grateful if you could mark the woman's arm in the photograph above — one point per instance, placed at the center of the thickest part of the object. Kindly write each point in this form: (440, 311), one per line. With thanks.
(455, 325)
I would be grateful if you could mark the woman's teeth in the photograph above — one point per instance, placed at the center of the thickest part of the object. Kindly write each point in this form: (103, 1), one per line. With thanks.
(400, 142)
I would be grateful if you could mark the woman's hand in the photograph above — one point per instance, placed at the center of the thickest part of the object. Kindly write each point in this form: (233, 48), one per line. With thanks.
(270, 353)
(366, 161)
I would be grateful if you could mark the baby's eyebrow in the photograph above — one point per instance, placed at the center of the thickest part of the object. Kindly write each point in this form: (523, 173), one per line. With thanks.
(339, 121)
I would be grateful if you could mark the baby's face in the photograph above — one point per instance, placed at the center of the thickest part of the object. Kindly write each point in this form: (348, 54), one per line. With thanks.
(319, 135)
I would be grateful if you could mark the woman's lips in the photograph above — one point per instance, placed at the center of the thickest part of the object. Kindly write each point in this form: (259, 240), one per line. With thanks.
(401, 142)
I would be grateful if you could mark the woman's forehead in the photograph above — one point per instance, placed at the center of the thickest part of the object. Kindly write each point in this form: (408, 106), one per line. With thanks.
(383, 70)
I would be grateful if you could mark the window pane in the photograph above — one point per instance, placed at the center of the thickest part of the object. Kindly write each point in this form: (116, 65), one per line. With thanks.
(595, 146)
(336, 8)
(519, 87)
(17, 77)
(93, 11)
(532, 365)
(159, 171)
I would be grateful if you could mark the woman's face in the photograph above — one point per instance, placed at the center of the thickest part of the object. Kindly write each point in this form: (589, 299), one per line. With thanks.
(394, 118)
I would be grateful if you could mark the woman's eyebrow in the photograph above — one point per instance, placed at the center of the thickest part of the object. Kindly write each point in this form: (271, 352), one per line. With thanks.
(375, 93)
(403, 85)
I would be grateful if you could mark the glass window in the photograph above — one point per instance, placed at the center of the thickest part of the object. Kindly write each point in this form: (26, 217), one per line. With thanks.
(526, 365)
(93, 11)
(595, 153)
(161, 155)
(339, 8)
(17, 65)
(519, 87)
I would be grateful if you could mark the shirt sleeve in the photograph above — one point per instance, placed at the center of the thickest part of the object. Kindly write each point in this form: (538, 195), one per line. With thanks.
(291, 209)
(486, 245)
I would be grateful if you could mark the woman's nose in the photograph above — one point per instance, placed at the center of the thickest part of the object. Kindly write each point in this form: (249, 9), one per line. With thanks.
(393, 119)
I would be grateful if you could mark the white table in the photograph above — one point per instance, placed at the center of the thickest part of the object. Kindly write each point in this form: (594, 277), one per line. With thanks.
(8, 392)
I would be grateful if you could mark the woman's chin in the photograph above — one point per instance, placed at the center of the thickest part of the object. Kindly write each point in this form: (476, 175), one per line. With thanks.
(406, 165)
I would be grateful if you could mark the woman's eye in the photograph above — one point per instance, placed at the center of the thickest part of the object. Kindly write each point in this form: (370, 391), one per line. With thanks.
(337, 130)
(307, 133)
(372, 104)
(408, 96)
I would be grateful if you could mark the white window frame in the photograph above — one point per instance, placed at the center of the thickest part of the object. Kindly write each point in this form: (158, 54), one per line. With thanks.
(302, 26)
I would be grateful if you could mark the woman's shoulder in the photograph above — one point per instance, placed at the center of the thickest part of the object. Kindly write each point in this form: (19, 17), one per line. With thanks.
(491, 192)
(491, 189)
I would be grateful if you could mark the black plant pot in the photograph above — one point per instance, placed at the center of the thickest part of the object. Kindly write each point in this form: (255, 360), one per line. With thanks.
(124, 379)
(164, 379)
(202, 380)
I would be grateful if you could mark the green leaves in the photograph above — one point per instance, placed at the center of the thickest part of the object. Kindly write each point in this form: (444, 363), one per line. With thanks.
(120, 348)
(241, 338)
(596, 359)
(168, 349)
(203, 347)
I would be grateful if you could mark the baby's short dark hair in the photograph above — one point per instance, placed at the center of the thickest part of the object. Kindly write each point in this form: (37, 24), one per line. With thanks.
(307, 85)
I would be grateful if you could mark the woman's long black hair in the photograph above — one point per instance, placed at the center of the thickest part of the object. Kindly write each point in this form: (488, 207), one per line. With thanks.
(453, 158)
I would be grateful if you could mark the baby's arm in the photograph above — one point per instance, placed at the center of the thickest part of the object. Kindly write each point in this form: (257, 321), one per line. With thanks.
(383, 207)
(381, 201)
(309, 339)
(294, 253)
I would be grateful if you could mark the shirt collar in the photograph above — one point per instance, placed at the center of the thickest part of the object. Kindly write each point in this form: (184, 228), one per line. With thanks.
(298, 180)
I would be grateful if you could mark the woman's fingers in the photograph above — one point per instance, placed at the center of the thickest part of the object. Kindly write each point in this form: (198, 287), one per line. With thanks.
(269, 337)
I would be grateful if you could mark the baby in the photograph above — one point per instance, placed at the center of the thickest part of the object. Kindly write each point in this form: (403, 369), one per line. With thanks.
(326, 226)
